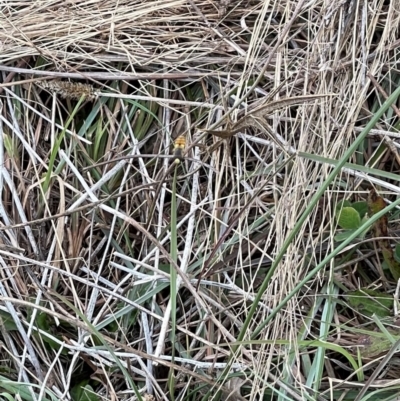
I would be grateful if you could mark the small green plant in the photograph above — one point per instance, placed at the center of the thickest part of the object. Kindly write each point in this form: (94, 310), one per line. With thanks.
(350, 217)
(83, 392)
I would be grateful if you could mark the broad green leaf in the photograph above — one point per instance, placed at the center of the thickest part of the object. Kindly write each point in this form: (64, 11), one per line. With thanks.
(343, 203)
(349, 219)
(369, 302)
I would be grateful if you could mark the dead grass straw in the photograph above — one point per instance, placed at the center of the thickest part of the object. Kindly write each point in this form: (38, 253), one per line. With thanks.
(150, 71)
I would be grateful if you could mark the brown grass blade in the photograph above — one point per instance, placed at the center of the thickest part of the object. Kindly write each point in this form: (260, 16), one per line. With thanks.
(261, 111)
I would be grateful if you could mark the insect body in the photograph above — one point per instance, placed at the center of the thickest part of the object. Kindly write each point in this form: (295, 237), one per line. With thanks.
(179, 146)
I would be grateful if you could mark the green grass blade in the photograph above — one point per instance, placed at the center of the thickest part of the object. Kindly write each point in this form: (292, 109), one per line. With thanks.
(356, 167)
(57, 146)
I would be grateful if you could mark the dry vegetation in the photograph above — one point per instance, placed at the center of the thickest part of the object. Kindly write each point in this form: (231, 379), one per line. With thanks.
(94, 247)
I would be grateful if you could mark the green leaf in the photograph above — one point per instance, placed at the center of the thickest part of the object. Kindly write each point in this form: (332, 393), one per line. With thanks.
(373, 346)
(10, 146)
(343, 203)
(19, 389)
(7, 396)
(7, 321)
(88, 394)
(369, 302)
(361, 207)
(349, 219)
(83, 392)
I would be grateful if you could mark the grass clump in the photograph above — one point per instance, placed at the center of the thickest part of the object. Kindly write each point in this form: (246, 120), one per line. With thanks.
(260, 267)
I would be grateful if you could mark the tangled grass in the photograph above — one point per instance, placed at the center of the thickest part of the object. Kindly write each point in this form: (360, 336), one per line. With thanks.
(126, 276)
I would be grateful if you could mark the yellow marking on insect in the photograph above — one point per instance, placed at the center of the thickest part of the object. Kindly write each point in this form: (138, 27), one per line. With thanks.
(179, 146)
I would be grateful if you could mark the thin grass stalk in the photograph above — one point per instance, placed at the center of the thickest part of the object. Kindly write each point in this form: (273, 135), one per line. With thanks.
(383, 329)
(173, 278)
(357, 167)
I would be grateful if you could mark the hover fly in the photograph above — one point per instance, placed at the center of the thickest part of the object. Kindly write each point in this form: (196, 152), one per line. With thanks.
(179, 147)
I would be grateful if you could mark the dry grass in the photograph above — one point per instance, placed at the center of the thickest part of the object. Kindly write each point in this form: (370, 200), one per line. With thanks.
(86, 233)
